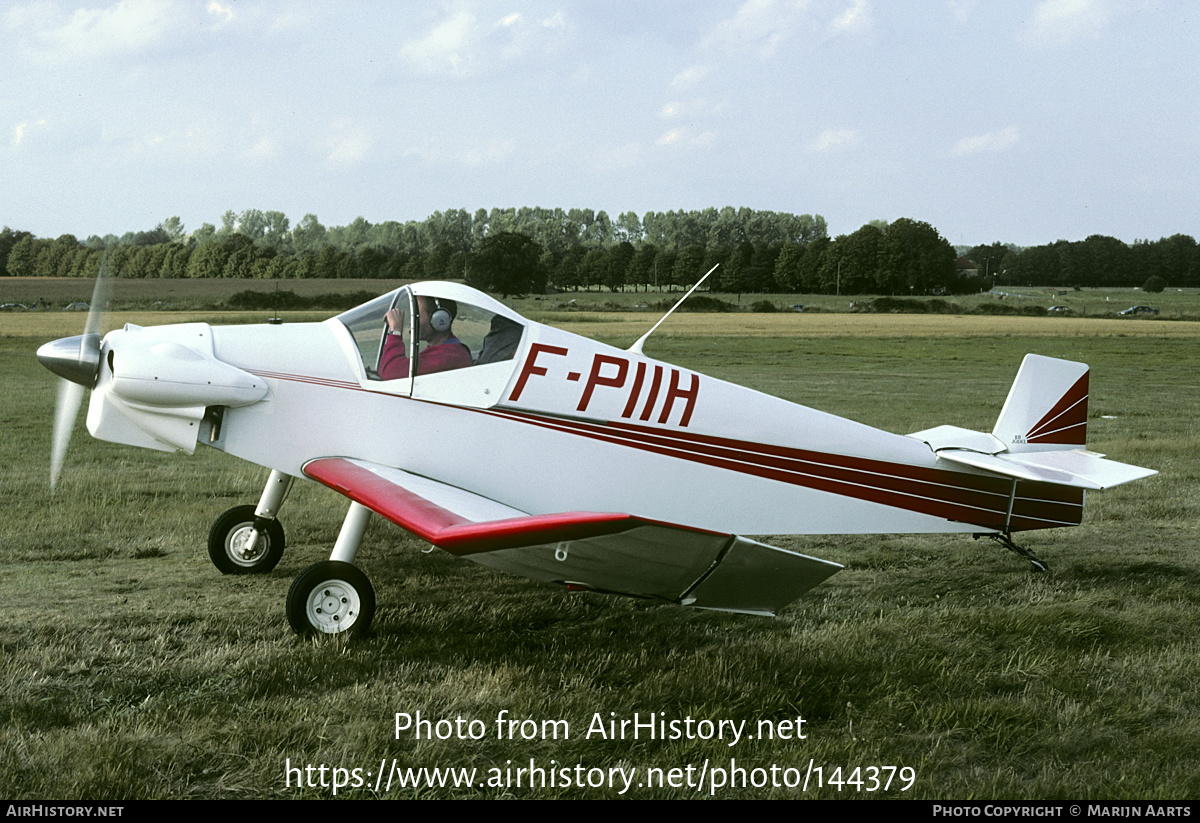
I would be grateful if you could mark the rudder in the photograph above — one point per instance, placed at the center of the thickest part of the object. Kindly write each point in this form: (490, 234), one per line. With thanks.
(1046, 407)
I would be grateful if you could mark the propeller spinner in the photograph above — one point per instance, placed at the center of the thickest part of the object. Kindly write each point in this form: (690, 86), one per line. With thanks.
(73, 358)
(77, 360)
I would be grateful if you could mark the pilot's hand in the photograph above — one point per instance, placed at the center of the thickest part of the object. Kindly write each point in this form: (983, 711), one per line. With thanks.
(395, 320)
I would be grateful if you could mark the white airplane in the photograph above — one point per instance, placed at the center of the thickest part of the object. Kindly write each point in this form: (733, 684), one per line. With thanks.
(529, 449)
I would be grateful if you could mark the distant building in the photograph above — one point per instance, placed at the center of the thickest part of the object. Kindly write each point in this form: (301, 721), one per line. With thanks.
(965, 267)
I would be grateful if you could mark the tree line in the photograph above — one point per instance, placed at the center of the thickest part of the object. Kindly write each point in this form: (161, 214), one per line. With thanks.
(759, 251)
(576, 247)
(1097, 261)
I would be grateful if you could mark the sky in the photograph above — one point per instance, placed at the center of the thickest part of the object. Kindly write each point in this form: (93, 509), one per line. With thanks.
(1019, 121)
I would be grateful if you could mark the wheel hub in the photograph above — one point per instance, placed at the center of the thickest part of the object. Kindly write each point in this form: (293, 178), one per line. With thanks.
(245, 550)
(333, 606)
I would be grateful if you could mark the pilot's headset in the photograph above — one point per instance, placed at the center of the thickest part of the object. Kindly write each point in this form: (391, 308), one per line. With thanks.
(442, 315)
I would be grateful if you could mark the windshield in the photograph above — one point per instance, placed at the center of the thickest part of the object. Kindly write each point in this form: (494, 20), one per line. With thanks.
(367, 326)
(450, 334)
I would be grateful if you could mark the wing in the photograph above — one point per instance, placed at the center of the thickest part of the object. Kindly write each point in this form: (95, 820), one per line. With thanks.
(612, 552)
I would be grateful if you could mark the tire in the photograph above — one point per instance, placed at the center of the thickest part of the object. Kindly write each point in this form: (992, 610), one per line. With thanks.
(331, 597)
(227, 543)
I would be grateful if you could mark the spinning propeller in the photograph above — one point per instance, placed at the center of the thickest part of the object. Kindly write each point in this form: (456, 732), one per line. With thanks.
(77, 361)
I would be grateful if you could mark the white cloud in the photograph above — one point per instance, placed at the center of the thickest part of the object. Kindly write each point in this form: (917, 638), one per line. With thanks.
(995, 141)
(1061, 21)
(223, 13)
(446, 48)
(348, 145)
(684, 136)
(489, 154)
(128, 27)
(263, 149)
(696, 108)
(667, 138)
(857, 19)
(835, 140)
(462, 46)
(19, 130)
(689, 77)
(758, 25)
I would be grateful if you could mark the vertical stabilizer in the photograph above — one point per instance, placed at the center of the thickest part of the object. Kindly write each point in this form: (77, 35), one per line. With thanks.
(1046, 409)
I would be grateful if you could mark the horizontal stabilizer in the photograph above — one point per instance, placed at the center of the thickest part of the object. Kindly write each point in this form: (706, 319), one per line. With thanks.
(611, 552)
(1076, 468)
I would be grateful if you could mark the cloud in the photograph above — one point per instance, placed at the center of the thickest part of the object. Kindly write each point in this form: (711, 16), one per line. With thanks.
(223, 13)
(1056, 22)
(264, 149)
(834, 140)
(348, 145)
(128, 27)
(446, 48)
(992, 142)
(19, 130)
(758, 25)
(857, 19)
(489, 154)
(684, 136)
(689, 77)
(691, 109)
(462, 46)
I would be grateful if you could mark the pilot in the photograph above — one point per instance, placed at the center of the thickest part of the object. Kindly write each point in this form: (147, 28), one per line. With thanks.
(444, 351)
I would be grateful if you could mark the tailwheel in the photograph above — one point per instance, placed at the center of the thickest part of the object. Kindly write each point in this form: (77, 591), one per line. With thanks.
(240, 543)
(1006, 541)
(331, 597)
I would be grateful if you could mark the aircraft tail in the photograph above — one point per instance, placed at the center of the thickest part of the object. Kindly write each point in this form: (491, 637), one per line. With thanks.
(1041, 434)
(1046, 409)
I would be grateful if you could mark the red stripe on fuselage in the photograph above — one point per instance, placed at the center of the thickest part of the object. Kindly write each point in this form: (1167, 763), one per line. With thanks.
(952, 495)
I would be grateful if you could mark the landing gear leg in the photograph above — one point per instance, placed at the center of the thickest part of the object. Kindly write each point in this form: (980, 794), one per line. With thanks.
(334, 596)
(1006, 541)
(249, 539)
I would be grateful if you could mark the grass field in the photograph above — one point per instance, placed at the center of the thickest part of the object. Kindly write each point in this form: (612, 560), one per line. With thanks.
(130, 668)
(206, 295)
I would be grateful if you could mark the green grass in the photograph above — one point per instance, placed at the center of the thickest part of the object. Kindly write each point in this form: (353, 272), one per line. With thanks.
(130, 668)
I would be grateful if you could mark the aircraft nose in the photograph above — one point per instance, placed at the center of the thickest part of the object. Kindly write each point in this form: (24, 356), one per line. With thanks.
(75, 358)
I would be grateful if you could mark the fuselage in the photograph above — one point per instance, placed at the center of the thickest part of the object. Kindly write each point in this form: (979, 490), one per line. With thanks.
(565, 423)
(565, 426)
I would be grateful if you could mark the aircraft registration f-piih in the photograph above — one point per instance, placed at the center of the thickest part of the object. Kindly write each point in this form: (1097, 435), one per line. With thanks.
(532, 450)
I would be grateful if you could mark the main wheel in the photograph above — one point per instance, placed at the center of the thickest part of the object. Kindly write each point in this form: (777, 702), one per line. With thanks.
(231, 549)
(331, 597)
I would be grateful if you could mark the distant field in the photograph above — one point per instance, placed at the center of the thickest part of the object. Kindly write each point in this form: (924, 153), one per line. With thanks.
(132, 669)
(611, 316)
(622, 328)
(205, 294)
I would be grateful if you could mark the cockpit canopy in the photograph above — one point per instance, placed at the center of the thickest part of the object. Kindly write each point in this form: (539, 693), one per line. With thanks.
(454, 327)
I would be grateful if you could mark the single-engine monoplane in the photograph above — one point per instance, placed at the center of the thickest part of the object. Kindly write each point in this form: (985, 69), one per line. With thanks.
(532, 450)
